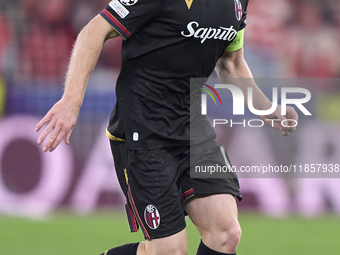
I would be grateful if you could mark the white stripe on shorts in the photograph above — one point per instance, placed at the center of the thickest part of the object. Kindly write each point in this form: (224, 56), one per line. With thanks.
(225, 157)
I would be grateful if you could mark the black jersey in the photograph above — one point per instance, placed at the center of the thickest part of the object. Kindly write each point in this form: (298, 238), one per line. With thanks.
(166, 42)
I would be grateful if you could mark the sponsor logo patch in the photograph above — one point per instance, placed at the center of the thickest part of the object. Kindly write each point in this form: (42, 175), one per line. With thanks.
(128, 2)
(152, 216)
(119, 8)
(207, 33)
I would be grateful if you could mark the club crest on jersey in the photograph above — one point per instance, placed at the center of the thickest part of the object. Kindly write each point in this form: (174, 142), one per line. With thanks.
(152, 216)
(128, 2)
(238, 9)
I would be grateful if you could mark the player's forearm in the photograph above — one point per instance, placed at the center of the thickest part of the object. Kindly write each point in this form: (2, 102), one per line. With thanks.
(84, 57)
(233, 66)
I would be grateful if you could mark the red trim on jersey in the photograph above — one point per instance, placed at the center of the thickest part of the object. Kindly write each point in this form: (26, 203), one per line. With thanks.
(114, 20)
(188, 194)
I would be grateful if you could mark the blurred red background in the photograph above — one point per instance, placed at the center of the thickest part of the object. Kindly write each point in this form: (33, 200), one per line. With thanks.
(284, 39)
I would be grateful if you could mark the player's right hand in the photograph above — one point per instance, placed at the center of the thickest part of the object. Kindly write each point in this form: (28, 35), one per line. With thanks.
(291, 116)
(61, 120)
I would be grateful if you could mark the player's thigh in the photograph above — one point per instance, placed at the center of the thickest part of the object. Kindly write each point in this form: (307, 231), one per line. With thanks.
(213, 213)
(212, 202)
(174, 245)
(149, 180)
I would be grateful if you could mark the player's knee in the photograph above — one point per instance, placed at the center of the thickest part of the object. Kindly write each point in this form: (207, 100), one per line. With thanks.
(233, 235)
(230, 236)
(227, 235)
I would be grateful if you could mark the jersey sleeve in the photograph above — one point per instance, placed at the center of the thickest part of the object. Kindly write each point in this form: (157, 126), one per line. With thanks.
(126, 16)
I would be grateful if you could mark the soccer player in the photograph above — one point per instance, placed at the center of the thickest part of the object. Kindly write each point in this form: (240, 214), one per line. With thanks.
(165, 44)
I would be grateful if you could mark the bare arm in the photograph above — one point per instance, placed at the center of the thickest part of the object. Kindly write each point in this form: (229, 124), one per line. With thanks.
(63, 115)
(84, 57)
(233, 65)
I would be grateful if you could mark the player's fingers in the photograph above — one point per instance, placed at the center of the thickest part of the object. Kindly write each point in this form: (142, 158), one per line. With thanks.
(287, 125)
(277, 124)
(293, 114)
(283, 120)
(293, 119)
(68, 136)
(283, 126)
(59, 138)
(46, 131)
(279, 115)
(291, 124)
(42, 122)
(280, 125)
(283, 131)
(52, 138)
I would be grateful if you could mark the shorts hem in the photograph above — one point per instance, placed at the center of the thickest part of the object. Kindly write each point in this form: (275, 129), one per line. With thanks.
(236, 194)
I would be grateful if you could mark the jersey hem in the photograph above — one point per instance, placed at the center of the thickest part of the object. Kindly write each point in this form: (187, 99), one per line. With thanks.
(113, 138)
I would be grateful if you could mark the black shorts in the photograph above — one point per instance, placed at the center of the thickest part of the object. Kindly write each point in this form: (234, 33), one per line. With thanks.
(156, 182)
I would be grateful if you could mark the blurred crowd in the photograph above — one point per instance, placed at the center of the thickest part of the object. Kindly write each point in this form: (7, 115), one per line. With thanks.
(37, 37)
(300, 38)
(290, 38)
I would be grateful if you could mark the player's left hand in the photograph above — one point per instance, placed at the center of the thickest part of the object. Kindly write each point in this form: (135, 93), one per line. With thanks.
(61, 120)
(275, 120)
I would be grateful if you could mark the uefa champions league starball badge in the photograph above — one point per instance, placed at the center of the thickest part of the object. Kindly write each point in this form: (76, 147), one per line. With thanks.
(128, 2)
(152, 216)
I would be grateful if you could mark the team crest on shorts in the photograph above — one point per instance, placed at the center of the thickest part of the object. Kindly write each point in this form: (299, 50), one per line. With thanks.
(128, 2)
(238, 9)
(152, 217)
